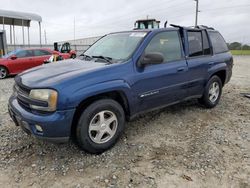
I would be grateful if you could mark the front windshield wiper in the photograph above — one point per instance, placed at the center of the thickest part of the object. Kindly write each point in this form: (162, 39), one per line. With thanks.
(86, 56)
(107, 59)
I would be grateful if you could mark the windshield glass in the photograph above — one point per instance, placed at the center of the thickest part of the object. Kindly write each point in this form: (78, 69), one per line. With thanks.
(10, 54)
(118, 46)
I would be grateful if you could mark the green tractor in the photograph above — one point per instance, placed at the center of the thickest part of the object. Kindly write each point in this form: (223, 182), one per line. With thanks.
(148, 24)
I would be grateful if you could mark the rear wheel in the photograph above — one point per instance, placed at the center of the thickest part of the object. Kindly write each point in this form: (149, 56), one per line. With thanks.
(3, 72)
(212, 93)
(100, 126)
(73, 56)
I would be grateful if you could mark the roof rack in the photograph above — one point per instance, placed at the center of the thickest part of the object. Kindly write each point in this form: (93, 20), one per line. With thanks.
(196, 27)
(179, 26)
(204, 27)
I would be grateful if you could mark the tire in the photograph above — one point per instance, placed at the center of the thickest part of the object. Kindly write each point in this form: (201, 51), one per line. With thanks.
(73, 56)
(100, 126)
(3, 72)
(212, 93)
(59, 58)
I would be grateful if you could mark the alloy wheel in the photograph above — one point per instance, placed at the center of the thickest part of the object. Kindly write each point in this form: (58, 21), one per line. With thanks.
(3, 72)
(103, 127)
(214, 92)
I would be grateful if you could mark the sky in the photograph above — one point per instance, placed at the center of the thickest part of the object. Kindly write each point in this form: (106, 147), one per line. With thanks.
(99, 17)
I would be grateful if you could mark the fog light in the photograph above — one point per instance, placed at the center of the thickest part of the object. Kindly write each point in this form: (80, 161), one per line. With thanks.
(39, 128)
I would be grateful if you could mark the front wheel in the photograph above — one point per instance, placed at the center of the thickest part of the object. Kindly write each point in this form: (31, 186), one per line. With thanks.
(212, 93)
(100, 126)
(3, 72)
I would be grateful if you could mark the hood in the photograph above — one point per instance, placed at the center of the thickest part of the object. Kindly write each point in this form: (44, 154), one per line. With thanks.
(53, 73)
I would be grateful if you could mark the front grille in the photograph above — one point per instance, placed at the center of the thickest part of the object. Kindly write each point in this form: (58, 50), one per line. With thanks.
(22, 89)
(22, 95)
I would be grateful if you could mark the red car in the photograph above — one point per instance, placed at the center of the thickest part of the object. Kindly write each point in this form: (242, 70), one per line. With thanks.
(20, 60)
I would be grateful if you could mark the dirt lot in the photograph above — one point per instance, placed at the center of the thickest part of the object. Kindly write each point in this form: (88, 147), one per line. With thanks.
(181, 146)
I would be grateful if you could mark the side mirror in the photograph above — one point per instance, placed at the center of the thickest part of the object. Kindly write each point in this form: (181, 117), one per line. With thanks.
(13, 57)
(151, 59)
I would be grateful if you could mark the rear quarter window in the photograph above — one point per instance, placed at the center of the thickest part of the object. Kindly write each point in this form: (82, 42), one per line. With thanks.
(218, 43)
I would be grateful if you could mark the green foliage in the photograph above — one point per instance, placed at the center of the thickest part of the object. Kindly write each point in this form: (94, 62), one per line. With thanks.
(235, 46)
(245, 47)
(238, 46)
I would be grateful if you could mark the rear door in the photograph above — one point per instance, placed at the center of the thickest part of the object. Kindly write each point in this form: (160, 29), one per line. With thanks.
(199, 59)
(162, 84)
(40, 56)
(221, 54)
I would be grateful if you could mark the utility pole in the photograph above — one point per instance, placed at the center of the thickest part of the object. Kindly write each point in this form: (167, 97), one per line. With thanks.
(75, 32)
(45, 36)
(196, 12)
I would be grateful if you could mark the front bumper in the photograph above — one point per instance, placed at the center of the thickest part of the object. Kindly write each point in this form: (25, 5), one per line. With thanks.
(56, 127)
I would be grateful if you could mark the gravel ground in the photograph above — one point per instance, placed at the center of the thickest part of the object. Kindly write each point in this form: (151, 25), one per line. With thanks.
(181, 146)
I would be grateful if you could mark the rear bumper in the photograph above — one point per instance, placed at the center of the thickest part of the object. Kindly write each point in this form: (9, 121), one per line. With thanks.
(56, 127)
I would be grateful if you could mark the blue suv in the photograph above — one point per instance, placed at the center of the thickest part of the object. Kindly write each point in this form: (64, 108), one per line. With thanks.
(120, 76)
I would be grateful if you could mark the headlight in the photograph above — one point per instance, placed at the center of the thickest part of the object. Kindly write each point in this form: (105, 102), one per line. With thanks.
(44, 95)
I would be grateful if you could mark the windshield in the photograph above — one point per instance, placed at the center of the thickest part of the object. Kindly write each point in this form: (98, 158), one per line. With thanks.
(10, 54)
(118, 46)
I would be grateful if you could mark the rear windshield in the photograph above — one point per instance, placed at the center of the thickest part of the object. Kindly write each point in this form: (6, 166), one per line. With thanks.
(218, 42)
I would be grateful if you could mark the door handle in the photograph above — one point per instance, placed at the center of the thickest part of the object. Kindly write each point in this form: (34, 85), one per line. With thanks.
(181, 69)
(211, 63)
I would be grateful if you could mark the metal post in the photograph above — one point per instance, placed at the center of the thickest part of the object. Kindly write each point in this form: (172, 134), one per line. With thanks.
(40, 34)
(10, 34)
(29, 36)
(75, 32)
(196, 12)
(45, 37)
(23, 33)
(14, 37)
(3, 23)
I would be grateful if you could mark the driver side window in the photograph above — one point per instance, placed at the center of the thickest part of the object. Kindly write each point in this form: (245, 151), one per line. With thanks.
(168, 44)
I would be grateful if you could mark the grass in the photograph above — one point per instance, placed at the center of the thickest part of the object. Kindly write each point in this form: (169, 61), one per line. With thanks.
(240, 52)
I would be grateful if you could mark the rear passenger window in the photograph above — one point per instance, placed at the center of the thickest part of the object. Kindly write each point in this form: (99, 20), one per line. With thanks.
(195, 43)
(166, 43)
(218, 42)
(41, 52)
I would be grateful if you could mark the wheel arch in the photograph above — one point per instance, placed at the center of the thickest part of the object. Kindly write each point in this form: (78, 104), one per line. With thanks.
(221, 74)
(117, 95)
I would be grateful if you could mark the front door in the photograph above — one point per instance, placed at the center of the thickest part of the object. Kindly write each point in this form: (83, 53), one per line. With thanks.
(23, 61)
(162, 84)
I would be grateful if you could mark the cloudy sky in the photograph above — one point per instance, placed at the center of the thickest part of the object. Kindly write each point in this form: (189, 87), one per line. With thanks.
(97, 17)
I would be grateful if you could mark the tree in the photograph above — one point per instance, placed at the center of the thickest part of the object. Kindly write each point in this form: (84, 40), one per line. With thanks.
(235, 46)
(245, 47)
